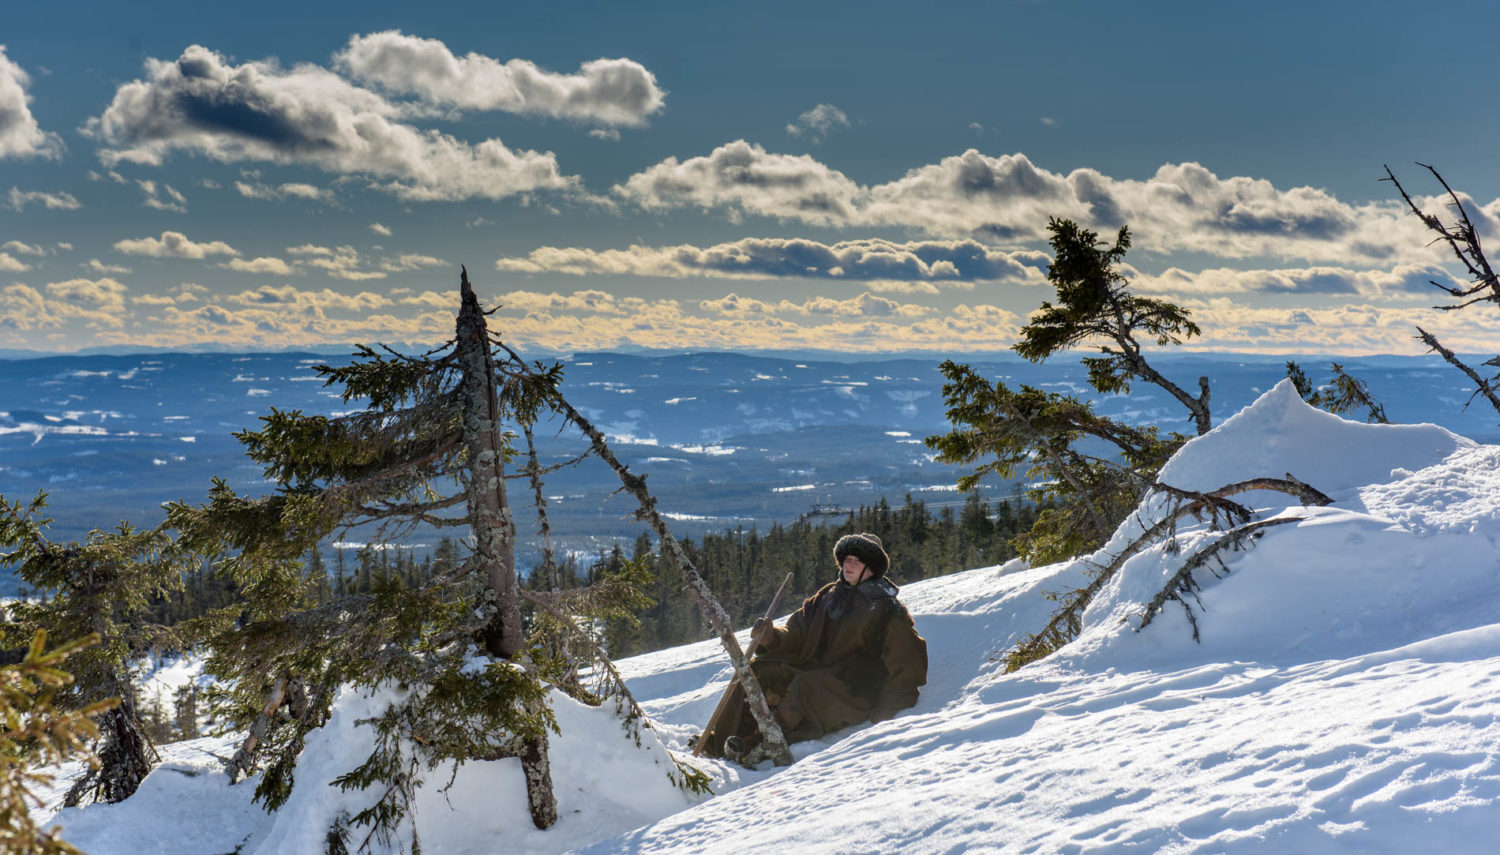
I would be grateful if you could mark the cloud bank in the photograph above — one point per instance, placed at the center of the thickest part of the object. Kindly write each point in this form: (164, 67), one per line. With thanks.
(1007, 200)
(870, 260)
(257, 111)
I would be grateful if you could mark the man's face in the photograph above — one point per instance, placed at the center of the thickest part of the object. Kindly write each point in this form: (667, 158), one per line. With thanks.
(854, 570)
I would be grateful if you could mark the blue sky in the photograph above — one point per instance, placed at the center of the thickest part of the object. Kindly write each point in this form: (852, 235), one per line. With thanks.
(871, 177)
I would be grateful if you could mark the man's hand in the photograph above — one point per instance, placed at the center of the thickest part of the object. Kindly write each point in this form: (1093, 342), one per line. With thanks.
(762, 629)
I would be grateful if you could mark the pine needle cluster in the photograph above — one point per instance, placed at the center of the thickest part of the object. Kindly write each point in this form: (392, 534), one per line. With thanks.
(36, 730)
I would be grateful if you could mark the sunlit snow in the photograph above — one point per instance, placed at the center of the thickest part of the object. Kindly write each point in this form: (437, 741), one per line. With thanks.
(1343, 698)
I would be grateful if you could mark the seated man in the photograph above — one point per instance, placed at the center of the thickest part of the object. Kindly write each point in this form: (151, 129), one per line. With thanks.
(849, 654)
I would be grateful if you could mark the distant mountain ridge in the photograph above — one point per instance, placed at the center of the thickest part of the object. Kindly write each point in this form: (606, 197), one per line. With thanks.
(729, 439)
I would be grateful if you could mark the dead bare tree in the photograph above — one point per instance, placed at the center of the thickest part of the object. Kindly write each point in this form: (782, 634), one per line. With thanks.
(1462, 238)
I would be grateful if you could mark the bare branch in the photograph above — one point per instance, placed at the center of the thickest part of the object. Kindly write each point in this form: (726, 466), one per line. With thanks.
(1484, 387)
(1182, 584)
(1065, 623)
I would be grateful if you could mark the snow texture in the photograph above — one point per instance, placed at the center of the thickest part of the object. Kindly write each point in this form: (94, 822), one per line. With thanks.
(1343, 699)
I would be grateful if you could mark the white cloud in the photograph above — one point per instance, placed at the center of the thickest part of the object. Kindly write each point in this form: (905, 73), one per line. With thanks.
(303, 191)
(20, 135)
(251, 187)
(310, 302)
(98, 266)
(379, 229)
(264, 264)
(606, 134)
(743, 178)
(11, 264)
(341, 263)
(310, 116)
(864, 306)
(24, 308)
(174, 245)
(190, 291)
(51, 201)
(100, 302)
(1403, 282)
(869, 260)
(410, 261)
(817, 122)
(154, 192)
(604, 91)
(22, 248)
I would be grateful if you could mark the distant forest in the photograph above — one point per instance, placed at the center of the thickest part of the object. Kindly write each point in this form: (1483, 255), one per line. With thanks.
(742, 566)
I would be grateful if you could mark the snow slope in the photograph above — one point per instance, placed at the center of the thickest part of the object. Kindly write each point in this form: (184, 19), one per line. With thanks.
(1343, 698)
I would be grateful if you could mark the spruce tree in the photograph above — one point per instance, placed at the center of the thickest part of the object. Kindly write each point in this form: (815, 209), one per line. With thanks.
(102, 587)
(1053, 440)
(1343, 395)
(431, 450)
(428, 449)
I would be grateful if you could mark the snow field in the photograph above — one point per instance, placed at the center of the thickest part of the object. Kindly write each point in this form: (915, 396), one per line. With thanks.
(1343, 699)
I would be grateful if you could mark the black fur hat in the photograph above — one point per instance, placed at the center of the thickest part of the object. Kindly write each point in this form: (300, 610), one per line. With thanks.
(867, 548)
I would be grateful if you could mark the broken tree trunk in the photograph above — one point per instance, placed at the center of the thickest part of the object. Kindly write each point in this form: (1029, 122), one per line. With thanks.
(492, 524)
(490, 518)
(772, 739)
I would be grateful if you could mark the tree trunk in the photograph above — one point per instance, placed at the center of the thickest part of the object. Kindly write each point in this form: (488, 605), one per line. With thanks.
(490, 518)
(493, 525)
(538, 771)
(124, 758)
(772, 739)
(239, 765)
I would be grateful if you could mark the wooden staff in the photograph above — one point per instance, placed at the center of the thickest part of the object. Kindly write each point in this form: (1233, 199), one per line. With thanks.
(723, 706)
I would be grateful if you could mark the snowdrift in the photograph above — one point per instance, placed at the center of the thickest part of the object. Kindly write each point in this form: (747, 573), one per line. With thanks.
(1342, 698)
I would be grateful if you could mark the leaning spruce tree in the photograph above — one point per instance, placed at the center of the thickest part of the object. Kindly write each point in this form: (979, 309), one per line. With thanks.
(430, 448)
(1041, 435)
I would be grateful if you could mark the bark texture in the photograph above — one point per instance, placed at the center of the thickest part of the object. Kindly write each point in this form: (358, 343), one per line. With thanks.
(490, 518)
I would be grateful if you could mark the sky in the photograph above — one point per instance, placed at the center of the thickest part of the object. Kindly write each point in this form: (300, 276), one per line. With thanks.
(728, 176)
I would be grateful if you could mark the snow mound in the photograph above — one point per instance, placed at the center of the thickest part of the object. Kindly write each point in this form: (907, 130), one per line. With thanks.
(1342, 699)
(605, 785)
(1407, 550)
(1279, 433)
(484, 810)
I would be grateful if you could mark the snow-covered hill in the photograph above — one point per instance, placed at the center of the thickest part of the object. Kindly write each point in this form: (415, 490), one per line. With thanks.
(1343, 699)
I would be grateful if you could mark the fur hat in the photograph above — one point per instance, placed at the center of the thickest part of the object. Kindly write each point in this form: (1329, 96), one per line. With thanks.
(867, 548)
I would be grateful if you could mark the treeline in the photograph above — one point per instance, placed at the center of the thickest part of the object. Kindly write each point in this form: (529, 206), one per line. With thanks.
(743, 566)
